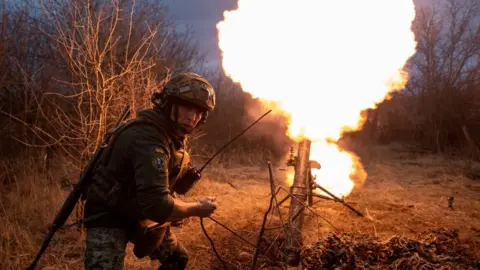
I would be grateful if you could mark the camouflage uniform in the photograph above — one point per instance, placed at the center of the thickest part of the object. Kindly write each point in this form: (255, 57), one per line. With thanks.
(106, 250)
(134, 181)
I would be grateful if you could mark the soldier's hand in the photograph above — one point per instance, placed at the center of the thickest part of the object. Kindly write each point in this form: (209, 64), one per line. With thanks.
(206, 207)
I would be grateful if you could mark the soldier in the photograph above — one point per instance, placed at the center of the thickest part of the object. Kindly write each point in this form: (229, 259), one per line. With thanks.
(132, 197)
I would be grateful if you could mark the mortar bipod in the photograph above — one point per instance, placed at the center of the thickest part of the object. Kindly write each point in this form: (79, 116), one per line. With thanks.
(311, 186)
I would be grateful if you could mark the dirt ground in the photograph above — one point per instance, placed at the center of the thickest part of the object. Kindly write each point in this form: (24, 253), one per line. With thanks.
(405, 194)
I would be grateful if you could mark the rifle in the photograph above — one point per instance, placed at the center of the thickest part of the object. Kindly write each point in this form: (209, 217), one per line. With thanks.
(72, 199)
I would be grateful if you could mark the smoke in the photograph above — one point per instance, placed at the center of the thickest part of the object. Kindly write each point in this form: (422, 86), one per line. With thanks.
(272, 130)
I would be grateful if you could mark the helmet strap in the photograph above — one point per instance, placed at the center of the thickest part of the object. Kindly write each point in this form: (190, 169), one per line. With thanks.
(175, 113)
(204, 118)
(176, 125)
(170, 108)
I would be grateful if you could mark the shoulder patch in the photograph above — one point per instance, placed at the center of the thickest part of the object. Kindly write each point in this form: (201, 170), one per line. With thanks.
(159, 161)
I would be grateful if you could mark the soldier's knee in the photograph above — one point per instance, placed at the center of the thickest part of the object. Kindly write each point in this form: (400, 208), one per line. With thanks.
(105, 248)
(178, 265)
(182, 261)
(182, 254)
(178, 260)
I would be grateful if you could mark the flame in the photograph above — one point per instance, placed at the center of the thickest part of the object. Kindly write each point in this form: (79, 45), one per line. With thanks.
(322, 63)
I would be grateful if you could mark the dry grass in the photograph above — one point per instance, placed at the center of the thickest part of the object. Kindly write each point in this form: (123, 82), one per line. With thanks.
(405, 194)
(27, 207)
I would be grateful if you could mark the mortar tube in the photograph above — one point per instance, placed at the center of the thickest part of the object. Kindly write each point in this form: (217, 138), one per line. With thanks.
(299, 190)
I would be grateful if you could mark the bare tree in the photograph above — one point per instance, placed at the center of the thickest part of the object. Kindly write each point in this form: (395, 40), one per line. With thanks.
(82, 61)
(438, 101)
(21, 54)
(108, 54)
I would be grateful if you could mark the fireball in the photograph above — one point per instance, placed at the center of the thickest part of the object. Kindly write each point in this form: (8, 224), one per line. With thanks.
(322, 62)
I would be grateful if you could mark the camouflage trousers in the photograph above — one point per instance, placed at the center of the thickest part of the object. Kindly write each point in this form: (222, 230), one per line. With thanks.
(105, 249)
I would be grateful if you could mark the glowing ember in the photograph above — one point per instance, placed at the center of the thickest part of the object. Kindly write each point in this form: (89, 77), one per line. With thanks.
(322, 62)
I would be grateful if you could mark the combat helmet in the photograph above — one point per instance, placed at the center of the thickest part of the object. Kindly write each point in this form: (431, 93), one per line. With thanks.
(187, 88)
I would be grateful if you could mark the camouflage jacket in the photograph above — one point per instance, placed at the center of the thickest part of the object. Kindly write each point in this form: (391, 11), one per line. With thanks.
(135, 175)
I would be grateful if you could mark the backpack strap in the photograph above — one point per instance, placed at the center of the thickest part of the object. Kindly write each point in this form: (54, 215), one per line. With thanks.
(114, 134)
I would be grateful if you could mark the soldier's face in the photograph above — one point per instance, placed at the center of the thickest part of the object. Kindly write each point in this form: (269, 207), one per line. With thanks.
(188, 117)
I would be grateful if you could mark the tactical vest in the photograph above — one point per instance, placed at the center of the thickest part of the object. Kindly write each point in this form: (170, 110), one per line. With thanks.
(112, 190)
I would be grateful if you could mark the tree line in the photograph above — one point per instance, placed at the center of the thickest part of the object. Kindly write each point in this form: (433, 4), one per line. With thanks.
(69, 67)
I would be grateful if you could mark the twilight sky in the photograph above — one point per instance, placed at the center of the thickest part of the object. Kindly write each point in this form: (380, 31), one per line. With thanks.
(203, 15)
